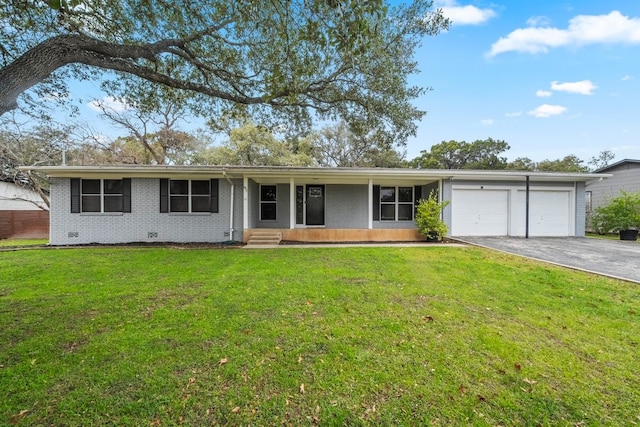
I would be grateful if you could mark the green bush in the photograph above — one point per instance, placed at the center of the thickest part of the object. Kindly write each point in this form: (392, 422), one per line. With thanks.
(622, 213)
(429, 216)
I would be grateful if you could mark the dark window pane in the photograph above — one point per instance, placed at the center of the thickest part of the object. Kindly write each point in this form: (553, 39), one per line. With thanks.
(200, 187)
(268, 193)
(405, 212)
(113, 203)
(387, 194)
(90, 203)
(180, 186)
(200, 204)
(268, 211)
(112, 186)
(388, 212)
(179, 204)
(91, 186)
(405, 194)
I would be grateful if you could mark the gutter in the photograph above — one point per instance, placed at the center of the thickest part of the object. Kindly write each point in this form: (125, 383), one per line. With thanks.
(231, 230)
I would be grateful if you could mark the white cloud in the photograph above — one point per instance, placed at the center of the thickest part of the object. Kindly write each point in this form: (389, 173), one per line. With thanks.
(543, 93)
(627, 77)
(546, 110)
(464, 15)
(538, 21)
(110, 103)
(487, 122)
(582, 30)
(514, 114)
(584, 87)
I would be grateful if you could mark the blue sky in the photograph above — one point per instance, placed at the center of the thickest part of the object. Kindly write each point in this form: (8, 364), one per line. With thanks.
(551, 78)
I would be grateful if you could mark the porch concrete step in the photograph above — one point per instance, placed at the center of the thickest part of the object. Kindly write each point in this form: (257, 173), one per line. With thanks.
(265, 238)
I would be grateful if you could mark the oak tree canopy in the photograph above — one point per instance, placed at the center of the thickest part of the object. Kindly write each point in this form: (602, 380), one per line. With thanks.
(277, 61)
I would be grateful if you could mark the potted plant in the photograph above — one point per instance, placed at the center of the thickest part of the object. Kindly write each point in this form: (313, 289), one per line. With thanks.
(622, 215)
(429, 218)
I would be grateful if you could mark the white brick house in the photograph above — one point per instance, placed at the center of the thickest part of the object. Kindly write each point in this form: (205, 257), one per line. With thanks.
(118, 204)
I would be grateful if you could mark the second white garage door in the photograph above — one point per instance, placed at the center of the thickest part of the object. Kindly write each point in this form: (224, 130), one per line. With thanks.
(549, 213)
(479, 212)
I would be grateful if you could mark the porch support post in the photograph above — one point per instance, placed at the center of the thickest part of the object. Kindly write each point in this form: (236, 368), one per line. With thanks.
(292, 203)
(245, 204)
(370, 198)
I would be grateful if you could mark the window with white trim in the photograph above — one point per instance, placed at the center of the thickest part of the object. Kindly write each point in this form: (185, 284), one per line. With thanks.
(268, 202)
(189, 195)
(588, 201)
(101, 195)
(396, 203)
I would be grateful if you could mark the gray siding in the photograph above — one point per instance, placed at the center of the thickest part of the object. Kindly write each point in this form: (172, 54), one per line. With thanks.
(145, 218)
(581, 215)
(347, 206)
(625, 177)
(282, 208)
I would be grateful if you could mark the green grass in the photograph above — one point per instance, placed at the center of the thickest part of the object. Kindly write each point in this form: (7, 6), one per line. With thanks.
(304, 336)
(4, 243)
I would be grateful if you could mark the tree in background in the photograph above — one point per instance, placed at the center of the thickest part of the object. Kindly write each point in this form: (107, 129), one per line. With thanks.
(480, 154)
(570, 163)
(601, 160)
(522, 164)
(338, 146)
(289, 61)
(252, 145)
(153, 136)
(39, 146)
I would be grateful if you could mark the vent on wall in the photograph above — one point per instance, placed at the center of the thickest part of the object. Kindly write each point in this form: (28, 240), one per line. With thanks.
(73, 234)
(152, 235)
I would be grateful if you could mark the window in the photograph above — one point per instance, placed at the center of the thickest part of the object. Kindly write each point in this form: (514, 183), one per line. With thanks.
(587, 201)
(396, 203)
(268, 202)
(189, 196)
(100, 195)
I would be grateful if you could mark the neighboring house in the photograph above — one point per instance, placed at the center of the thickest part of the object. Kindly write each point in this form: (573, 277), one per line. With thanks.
(625, 176)
(23, 214)
(118, 204)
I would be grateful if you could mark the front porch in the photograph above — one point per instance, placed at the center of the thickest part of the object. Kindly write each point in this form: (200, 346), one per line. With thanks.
(319, 235)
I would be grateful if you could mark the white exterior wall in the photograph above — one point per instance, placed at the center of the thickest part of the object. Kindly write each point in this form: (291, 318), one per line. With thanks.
(145, 223)
(16, 198)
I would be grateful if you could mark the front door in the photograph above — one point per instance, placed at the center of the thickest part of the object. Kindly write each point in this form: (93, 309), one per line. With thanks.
(315, 204)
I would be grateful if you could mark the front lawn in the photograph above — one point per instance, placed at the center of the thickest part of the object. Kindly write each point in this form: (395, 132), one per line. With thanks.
(10, 243)
(304, 336)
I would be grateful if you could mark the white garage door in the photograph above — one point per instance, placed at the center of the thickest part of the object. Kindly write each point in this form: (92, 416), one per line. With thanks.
(479, 212)
(549, 213)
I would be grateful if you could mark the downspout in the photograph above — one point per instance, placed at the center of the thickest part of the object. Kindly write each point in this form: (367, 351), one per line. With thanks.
(224, 173)
(526, 222)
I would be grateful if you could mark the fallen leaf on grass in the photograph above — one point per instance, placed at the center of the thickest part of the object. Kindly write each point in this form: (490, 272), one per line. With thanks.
(154, 423)
(222, 361)
(462, 389)
(302, 388)
(517, 366)
(427, 318)
(15, 419)
(530, 382)
(236, 410)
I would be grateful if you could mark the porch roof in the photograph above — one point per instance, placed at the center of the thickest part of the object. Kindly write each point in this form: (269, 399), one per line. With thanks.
(307, 174)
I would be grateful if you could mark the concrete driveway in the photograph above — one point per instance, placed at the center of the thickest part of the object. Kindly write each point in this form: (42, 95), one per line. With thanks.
(613, 258)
